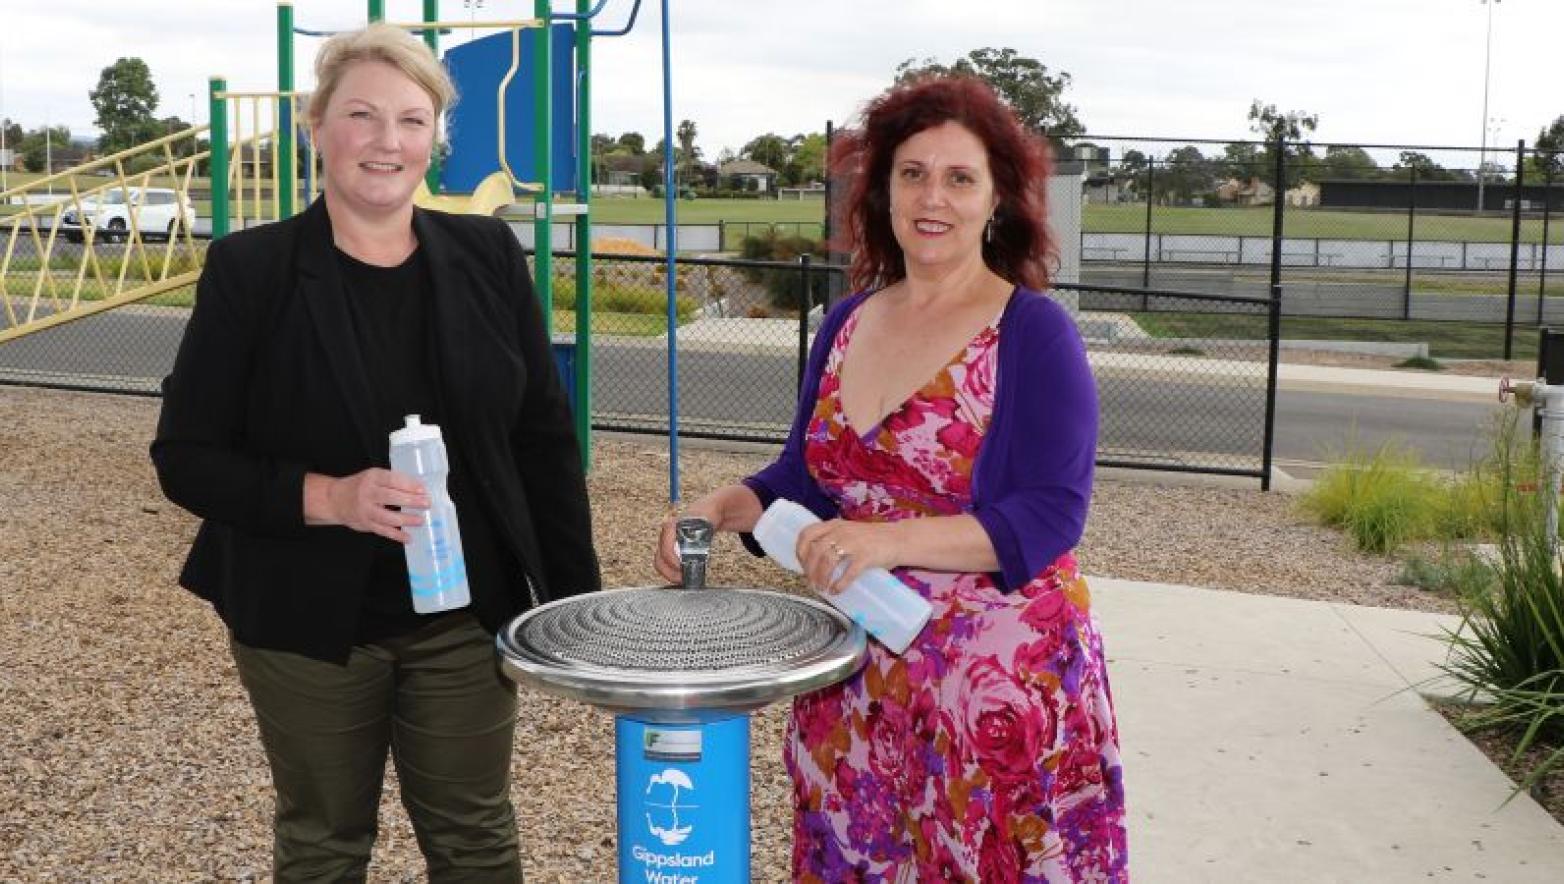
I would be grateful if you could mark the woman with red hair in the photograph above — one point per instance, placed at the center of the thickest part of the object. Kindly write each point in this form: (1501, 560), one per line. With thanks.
(946, 430)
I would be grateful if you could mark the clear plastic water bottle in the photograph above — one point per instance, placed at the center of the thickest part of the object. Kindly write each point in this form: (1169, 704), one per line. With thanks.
(885, 607)
(436, 569)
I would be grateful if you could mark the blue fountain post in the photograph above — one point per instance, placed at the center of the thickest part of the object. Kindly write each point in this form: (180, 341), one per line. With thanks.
(683, 801)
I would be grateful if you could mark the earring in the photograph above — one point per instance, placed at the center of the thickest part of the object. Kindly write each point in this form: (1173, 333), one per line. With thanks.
(988, 230)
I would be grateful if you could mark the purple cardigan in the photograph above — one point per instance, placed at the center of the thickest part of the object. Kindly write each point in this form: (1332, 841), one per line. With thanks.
(1032, 482)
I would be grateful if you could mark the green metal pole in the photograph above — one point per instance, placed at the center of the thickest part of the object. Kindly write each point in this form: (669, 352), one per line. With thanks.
(543, 225)
(217, 165)
(432, 40)
(377, 10)
(287, 178)
(584, 232)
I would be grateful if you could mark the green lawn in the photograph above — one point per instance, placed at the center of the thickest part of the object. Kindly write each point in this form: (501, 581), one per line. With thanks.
(1446, 340)
(617, 210)
(637, 324)
(1128, 218)
(1311, 223)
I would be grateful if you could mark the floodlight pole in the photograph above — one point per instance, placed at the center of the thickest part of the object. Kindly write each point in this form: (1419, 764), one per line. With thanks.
(1482, 151)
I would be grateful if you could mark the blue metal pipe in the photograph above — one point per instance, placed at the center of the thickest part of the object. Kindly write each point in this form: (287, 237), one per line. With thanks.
(634, 10)
(671, 243)
(580, 16)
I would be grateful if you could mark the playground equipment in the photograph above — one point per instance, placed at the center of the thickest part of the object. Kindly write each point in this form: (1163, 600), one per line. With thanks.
(45, 283)
(256, 166)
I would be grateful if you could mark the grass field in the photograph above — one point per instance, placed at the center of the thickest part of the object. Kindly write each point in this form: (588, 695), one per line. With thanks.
(1446, 340)
(1128, 218)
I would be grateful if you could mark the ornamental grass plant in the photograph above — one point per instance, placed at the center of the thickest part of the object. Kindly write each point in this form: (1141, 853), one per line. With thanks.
(1508, 653)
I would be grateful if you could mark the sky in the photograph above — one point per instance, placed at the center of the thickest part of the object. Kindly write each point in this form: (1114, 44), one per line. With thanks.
(1374, 71)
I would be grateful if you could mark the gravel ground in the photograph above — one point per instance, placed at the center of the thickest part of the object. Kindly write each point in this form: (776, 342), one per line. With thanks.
(130, 751)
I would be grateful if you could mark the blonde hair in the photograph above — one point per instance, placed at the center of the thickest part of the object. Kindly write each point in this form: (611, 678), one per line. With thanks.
(387, 44)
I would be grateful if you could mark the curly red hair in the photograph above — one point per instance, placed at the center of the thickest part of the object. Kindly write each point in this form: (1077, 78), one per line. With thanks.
(1021, 249)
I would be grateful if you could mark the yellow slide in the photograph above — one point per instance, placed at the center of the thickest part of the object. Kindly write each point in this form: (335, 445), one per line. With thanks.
(491, 193)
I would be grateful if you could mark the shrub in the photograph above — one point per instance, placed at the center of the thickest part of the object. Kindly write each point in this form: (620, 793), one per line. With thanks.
(618, 297)
(1453, 573)
(785, 285)
(1510, 647)
(1421, 363)
(1381, 500)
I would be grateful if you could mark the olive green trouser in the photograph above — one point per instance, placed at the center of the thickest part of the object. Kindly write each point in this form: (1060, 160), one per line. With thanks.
(436, 699)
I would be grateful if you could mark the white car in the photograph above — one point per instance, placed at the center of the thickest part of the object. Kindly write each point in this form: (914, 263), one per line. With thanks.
(161, 213)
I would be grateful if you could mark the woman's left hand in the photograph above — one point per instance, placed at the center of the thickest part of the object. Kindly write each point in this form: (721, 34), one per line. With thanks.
(844, 549)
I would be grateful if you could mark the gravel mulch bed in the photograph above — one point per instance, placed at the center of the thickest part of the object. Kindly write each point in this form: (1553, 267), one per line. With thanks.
(129, 747)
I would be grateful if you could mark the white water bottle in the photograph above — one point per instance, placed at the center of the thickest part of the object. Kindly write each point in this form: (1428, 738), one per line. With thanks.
(436, 569)
(885, 607)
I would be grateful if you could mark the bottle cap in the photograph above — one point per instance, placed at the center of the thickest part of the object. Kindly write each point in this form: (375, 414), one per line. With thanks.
(415, 432)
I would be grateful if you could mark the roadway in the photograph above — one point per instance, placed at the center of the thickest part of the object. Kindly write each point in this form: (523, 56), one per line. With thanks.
(1148, 415)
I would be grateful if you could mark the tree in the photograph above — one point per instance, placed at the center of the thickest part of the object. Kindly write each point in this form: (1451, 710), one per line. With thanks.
(769, 149)
(602, 143)
(1290, 128)
(685, 135)
(634, 142)
(1188, 174)
(1036, 96)
(1134, 164)
(1241, 161)
(1427, 169)
(1548, 162)
(13, 133)
(124, 99)
(1347, 163)
(808, 160)
(36, 145)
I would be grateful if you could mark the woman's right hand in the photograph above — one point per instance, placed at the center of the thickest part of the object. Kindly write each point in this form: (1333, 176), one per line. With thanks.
(666, 561)
(374, 501)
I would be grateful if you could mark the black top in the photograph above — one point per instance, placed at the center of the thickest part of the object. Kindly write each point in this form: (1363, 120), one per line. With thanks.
(269, 385)
(386, 307)
(389, 311)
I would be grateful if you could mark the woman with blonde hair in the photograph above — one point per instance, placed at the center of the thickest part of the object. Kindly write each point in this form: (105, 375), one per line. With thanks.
(311, 338)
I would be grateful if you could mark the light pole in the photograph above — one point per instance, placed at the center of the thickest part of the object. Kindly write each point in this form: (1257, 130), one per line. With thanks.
(4, 166)
(192, 109)
(1482, 151)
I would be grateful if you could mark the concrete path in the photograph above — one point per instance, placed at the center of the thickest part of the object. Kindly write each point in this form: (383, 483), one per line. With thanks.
(1278, 740)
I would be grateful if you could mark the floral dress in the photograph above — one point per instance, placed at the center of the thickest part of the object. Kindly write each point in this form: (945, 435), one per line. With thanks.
(988, 751)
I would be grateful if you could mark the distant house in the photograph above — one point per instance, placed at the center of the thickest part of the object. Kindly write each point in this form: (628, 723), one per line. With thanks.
(1305, 195)
(1253, 192)
(1091, 157)
(748, 175)
(8, 159)
(1108, 187)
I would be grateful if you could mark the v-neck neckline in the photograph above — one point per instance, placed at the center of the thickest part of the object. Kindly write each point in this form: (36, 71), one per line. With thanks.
(851, 327)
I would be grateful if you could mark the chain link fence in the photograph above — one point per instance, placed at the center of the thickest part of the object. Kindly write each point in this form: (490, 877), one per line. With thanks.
(1451, 235)
(1188, 400)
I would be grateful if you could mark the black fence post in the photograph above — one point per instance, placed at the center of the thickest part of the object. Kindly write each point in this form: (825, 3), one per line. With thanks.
(1515, 241)
(803, 318)
(1406, 286)
(1274, 318)
(1547, 161)
(1145, 265)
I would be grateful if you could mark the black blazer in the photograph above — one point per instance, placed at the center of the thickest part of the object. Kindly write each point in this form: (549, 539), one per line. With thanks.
(268, 385)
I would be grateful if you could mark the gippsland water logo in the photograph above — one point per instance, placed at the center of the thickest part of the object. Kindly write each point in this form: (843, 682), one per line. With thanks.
(664, 795)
